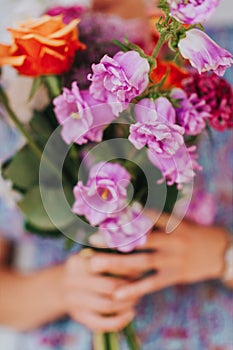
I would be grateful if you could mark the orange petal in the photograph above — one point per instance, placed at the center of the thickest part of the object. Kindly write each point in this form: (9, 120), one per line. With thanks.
(54, 63)
(28, 68)
(31, 44)
(44, 25)
(12, 61)
(69, 28)
(18, 32)
(5, 50)
(46, 51)
(7, 56)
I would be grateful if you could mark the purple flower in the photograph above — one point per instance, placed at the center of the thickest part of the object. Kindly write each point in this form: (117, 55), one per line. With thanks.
(192, 12)
(81, 116)
(203, 53)
(126, 230)
(119, 79)
(105, 193)
(178, 168)
(192, 113)
(217, 94)
(68, 12)
(156, 127)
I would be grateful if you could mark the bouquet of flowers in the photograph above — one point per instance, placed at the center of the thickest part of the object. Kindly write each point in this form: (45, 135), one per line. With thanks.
(103, 151)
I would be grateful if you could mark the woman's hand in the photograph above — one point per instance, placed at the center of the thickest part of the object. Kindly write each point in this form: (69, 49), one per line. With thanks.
(191, 253)
(48, 294)
(88, 297)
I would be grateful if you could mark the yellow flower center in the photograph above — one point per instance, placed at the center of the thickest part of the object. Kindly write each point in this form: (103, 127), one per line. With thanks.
(104, 194)
(75, 115)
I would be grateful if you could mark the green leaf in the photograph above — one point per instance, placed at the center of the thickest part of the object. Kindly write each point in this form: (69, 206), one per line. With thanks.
(172, 195)
(40, 125)
(122, 46)
(33, 208)
(23, 169)
(46, 234)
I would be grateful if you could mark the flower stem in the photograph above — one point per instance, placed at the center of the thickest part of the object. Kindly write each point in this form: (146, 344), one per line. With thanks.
(131, 337)
(160, 43)
(99, 342)
(106, 341)
(53, 84)
(113, 341)
(18, 124)
(34, 147)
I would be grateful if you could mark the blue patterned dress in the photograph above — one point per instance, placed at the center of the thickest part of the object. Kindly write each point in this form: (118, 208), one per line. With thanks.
(193, 317)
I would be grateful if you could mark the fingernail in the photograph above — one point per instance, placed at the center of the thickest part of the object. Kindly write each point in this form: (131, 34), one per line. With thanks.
(86, 253)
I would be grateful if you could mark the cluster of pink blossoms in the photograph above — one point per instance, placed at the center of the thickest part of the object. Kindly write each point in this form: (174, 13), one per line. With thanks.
(103, 201)
(156, 128)
(157, 124)
(115, 82)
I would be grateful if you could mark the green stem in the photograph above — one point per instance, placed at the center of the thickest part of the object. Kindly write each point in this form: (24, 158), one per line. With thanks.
(99, 342)
(35, 148)
(53, 84)
(106, 341)
(113, 341)
(159, 45)
(19, 125)
(131, 337)
(176, 57)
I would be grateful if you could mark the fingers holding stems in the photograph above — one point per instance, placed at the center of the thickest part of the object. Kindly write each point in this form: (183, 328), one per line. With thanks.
(89, 297)
(165, 260)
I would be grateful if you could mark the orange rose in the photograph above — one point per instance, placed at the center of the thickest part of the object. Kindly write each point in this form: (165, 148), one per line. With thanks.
(42, 46)
(175, 75)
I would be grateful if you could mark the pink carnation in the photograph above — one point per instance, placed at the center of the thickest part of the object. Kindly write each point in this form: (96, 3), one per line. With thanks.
(127, 230)
(81, 116)
(192, 12)
(118, 80)
(156, 127)
(192, 112)
(104, 194)
(178, 168)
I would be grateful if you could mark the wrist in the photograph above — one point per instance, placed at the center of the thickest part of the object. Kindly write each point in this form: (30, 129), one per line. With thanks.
(52, 280)
(59, 288)
(35, 296)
